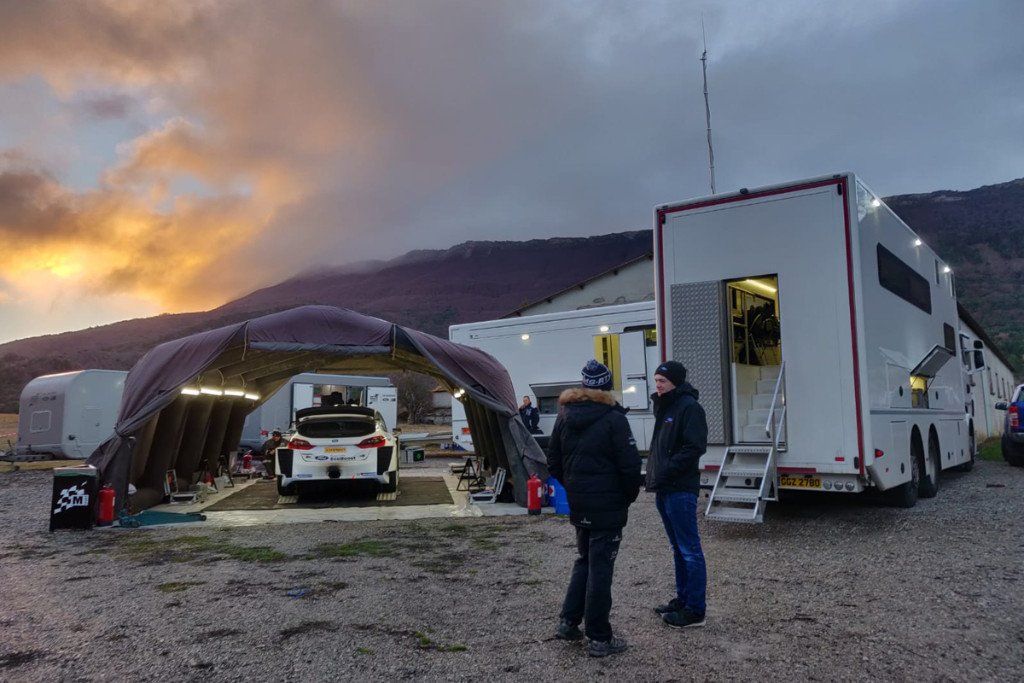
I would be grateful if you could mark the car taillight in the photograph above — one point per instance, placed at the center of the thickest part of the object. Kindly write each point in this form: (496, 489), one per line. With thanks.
(1014, 417)
(372, 442)
(300, 445)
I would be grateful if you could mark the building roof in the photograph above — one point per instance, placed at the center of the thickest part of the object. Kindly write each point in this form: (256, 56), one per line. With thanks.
(976, 327)
(580, 285)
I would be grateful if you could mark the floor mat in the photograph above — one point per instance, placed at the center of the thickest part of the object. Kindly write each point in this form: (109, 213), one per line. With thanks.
(411, 491)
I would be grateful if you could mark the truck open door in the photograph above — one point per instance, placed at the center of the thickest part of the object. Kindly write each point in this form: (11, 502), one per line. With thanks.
(385, 401)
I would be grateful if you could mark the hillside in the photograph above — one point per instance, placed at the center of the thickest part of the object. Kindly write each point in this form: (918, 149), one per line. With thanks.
(980, 232)
(427, 290)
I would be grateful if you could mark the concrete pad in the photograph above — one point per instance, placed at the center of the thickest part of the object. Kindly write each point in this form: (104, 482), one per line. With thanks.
(462, 507)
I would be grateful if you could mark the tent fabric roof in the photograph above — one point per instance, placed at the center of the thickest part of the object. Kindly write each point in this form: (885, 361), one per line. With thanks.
(260, 354)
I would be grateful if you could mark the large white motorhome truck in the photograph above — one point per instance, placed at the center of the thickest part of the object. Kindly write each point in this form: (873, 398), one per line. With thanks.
(821, 332)
(545, 353)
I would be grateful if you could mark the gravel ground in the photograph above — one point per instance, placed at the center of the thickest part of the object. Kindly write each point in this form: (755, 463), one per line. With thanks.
(828, 588)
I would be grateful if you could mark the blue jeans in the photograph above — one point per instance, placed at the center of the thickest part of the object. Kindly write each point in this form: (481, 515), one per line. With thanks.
(679, 515)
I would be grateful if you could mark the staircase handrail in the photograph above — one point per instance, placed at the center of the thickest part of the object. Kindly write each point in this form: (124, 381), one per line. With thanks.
(769, 426)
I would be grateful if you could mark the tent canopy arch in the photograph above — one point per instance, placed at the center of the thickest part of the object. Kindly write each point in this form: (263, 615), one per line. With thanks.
(160, 428)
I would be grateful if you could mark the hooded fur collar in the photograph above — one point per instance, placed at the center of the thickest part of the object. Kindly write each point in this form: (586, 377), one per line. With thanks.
(581, 394)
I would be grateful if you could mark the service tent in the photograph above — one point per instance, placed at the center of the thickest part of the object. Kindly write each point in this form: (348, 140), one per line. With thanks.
(160, 427)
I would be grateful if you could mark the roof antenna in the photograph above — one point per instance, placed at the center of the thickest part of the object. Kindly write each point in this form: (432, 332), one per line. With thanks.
(707, 105)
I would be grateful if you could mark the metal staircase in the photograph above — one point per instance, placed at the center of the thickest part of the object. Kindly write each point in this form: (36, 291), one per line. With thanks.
(747, 479)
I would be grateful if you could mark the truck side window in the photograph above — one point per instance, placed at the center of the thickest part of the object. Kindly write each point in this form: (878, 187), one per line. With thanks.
(903, 281)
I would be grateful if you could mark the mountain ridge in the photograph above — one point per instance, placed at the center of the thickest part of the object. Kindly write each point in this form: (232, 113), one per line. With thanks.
(979, 232)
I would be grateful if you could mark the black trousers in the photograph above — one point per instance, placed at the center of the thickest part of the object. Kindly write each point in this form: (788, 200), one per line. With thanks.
(589, 597)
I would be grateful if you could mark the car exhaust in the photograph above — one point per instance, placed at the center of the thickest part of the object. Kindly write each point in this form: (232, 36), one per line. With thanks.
(334, 472)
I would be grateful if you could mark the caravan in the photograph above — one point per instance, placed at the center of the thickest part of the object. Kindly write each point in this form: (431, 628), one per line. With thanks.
(822, 333)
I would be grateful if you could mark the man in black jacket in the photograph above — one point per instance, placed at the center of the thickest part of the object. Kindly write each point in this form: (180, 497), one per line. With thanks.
(593, 454)
(680, 438)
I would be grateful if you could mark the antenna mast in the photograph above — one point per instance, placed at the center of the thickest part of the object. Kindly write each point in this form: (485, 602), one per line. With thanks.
(707, 105)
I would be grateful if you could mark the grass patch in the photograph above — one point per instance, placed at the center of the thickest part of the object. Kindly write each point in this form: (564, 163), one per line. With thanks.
(189, 548)
(423, 639)
(177, 586)
(361, 548)
(364, 651)
(455, 647)
(990, 450)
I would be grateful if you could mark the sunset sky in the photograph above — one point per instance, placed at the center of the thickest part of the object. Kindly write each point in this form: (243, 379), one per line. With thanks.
(170, 156)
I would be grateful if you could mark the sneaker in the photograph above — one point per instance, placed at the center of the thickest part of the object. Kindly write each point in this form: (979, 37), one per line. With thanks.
(683, 618)
(673, 605)
(603, 648)
(567, 631)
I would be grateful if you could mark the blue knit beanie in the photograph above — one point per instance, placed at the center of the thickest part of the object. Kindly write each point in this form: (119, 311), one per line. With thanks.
(597, 376)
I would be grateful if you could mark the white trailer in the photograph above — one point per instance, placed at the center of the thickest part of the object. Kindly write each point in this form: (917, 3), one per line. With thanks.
(67, 415)
(545, 353)
(822, 334)
(307, 390)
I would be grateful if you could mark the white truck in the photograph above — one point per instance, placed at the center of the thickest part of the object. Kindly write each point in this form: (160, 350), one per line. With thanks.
(545, 353)
(822, 333)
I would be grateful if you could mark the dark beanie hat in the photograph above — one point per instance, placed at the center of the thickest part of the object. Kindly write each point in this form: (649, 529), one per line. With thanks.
(597, 376)
(673, 371)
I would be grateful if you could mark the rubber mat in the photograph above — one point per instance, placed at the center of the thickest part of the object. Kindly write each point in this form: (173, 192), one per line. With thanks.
(263, 496)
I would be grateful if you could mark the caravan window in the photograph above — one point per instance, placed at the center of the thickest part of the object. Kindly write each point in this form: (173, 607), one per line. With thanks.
(903, 281)
(40, 421)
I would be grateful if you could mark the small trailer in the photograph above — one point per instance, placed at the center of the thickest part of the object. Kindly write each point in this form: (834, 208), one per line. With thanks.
(308, 390)
(545, 353)
(67, 415)
(822, 333)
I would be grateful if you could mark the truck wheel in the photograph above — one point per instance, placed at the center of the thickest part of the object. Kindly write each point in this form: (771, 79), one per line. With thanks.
(1013, 457)
(905, 495)
(392, 484)
(289, 490)
(930, 482)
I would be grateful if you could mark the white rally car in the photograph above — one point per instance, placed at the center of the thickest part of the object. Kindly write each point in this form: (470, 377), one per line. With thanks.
(337, 443)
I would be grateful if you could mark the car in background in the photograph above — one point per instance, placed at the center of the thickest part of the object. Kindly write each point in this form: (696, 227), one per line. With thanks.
(1013, 428)
(337, 443)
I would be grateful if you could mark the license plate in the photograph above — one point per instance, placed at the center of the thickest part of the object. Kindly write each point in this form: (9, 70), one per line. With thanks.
(804, 482)
(334, 449)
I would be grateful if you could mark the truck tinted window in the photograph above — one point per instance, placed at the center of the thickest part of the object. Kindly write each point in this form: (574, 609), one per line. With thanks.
(903, 281)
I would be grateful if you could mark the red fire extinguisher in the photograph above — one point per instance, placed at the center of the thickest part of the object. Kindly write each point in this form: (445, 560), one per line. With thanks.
(534, 486)
(105, 511)
(247, 461)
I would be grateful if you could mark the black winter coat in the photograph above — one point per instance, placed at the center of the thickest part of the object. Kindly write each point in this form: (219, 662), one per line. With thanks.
(680, 438)
(593, 454)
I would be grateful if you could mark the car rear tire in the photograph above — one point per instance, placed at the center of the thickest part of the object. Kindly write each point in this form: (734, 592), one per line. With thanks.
(392, 484)
(930, 482)
(1012, 453)
(291, 489)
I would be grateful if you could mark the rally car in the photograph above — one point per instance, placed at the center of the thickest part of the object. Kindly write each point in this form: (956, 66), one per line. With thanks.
(337, 443)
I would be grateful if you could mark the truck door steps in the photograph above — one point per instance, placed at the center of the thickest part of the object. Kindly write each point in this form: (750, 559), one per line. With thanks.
(746, 481)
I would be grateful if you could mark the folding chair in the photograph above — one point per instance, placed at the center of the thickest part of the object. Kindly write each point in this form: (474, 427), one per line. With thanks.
(491, 493)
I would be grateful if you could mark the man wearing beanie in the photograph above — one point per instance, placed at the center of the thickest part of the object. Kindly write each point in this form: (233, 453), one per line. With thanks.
(593, 454)
(680, 438)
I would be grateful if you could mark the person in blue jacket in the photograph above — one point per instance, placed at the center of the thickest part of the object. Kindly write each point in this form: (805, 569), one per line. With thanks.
(530, 415)
(593, 454)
